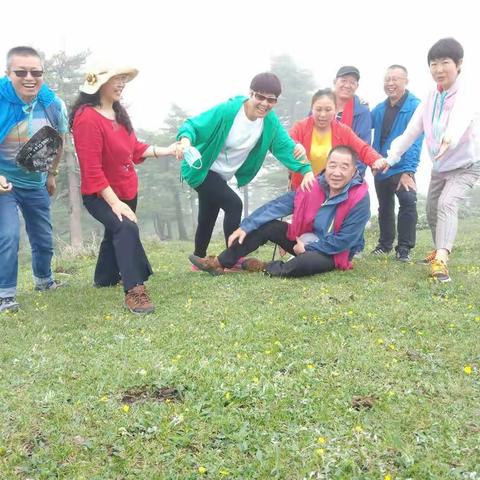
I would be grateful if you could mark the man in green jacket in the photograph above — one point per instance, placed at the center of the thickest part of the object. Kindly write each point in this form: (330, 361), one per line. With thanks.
(233, 139)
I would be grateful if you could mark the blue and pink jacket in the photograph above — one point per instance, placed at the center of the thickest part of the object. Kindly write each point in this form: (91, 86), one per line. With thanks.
(338, 222)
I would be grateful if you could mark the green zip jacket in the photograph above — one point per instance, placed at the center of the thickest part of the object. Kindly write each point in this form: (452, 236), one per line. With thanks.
(208, 133)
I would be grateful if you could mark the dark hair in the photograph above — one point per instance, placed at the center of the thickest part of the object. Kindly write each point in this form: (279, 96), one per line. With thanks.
(21, 51)
(266, 82)
(344, 149)
(446, 48)
(85, 99)
(396, 65)
(324, 92)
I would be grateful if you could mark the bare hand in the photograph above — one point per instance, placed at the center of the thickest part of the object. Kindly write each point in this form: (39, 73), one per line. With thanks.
(5, 186)
(307, 182)
(299, 151)
(120, 208)
(239, 235)
(172, 149)
(51, 185)
(282, 252)
(443, 148)
(299, 247)
(407, 182)
(181, 146)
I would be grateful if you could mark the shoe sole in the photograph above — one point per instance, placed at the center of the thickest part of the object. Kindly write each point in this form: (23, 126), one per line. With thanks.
(441, 280)
(10, 309)
(143, 312)
(197, 264)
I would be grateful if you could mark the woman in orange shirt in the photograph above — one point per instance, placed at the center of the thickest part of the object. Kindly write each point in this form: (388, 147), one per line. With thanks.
(320, 132)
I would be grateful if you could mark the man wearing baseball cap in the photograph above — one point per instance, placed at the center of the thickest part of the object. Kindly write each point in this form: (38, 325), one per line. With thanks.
(351, 110)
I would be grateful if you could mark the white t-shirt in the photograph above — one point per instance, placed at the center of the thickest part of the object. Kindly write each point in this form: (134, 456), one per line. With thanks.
(241, 139)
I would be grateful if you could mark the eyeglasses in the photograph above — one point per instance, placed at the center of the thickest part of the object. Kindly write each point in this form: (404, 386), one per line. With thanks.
(24, 73)
(261, 98)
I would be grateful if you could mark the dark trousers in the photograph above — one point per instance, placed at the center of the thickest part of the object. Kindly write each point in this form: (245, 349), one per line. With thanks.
(121, 252)
(407, 214)
(308, 263)
(215, 194)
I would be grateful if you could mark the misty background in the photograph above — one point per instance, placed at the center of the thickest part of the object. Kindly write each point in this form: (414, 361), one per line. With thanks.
(192, 55)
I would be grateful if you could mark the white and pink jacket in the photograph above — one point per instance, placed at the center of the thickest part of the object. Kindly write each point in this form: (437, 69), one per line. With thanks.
(442, 115)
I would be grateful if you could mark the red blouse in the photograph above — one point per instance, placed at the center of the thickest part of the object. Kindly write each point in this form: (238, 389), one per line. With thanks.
(106, 153)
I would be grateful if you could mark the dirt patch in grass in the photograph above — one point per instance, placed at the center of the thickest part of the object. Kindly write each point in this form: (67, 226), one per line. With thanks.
(364, 403)
(150, 392)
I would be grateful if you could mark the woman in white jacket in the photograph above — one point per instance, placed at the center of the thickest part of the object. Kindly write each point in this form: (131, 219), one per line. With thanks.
(446, 117)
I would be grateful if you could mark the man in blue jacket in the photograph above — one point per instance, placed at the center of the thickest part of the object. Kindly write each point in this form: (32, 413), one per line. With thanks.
(389, 120)
(351, 109)
(326, 229)
(27, 108)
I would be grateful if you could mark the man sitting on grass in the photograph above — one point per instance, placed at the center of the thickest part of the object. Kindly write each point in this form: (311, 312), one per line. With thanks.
(326, 230)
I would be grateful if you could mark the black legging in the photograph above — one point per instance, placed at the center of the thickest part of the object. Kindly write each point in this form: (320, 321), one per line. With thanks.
(214, 194)
(308, 263)
(121, 252)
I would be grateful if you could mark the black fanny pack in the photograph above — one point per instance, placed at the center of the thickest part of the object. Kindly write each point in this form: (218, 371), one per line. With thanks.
(38, 153)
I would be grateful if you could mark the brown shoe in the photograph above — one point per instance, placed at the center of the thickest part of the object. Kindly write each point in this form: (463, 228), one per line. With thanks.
(207, 264)
(138, 301)
(254, 265)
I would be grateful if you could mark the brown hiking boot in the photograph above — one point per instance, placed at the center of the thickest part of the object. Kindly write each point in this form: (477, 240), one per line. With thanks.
(208, 264)
(254, 265)
(138, 301)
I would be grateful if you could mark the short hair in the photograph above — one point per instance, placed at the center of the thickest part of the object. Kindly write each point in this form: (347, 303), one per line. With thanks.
(396, 65)
(446, 48)
(346, 150)
(324, 92)
(21, 51)
(266, 82)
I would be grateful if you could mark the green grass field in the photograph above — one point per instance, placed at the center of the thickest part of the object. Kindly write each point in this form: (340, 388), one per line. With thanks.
(369, 374)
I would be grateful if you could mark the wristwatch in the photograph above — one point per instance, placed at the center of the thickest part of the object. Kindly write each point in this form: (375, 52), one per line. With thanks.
(53, 172)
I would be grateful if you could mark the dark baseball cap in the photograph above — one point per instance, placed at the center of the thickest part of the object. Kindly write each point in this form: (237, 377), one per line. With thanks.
(348, 70)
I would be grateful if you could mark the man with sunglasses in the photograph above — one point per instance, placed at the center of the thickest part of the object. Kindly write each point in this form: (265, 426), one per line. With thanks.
(27, 105)
(233, 139)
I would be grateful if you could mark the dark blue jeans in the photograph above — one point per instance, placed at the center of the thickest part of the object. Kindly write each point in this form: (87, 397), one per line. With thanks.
(35, 207)
(407, 214)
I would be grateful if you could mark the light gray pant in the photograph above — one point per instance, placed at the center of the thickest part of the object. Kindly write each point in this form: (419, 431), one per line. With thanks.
(445, 192)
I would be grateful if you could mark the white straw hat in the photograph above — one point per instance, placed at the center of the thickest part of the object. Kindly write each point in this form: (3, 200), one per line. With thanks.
(96, 77)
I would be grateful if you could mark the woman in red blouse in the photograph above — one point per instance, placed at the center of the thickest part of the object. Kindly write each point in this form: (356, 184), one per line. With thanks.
(320, 132)
(108, 151)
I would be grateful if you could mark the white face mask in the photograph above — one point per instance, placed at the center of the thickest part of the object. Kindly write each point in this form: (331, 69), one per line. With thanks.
(193, 157)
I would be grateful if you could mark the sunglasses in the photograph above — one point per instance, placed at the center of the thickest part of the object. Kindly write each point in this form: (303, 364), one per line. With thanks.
(261, 98)
(24, 73)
